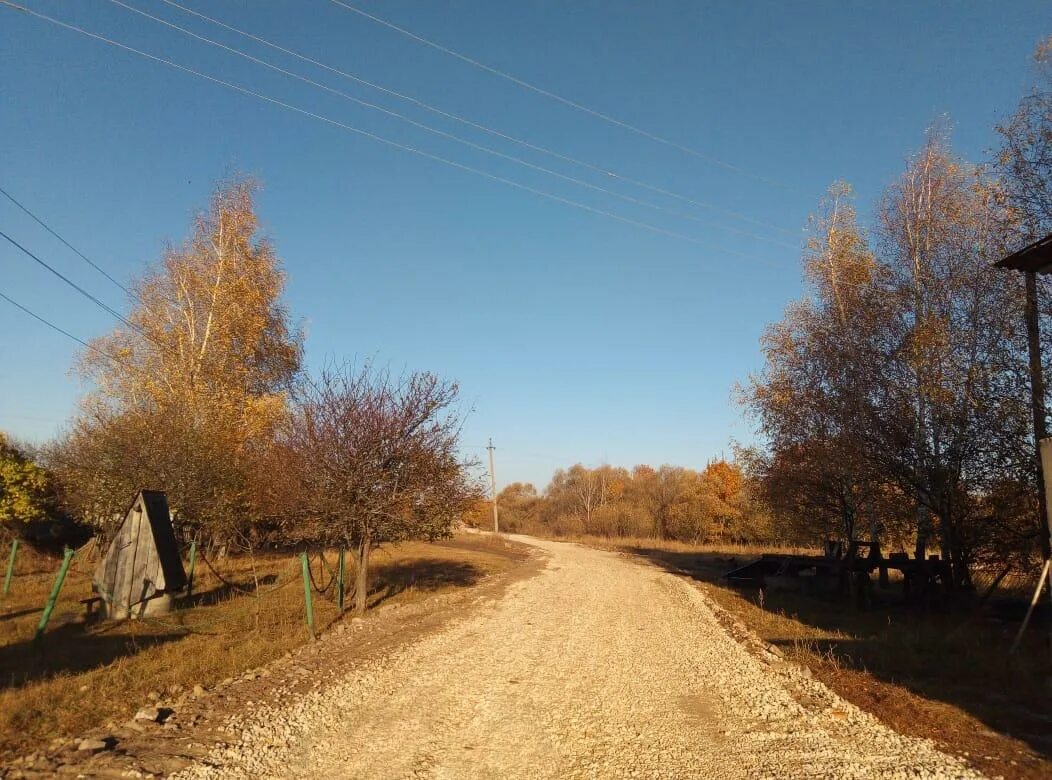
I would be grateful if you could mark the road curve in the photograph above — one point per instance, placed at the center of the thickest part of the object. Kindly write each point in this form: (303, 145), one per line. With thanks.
(598, 666)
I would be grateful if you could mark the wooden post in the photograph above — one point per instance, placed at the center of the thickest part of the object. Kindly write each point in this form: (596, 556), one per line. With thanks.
(1037, 407)
(1030, 609)
(50, 606)
(339, 580)
(305, 564)
(190, 568)
(10, 566)
(493, 487)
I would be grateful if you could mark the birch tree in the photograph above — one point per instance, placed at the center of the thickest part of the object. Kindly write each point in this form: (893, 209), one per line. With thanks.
(1024, 159)
(953, 352)
(189, 392)
(805, 400)
(904, 385)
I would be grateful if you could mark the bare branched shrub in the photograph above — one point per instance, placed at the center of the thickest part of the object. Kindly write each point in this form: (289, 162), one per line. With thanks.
(371, 458)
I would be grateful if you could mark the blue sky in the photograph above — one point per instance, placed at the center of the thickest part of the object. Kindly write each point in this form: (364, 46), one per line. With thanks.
(574, 336)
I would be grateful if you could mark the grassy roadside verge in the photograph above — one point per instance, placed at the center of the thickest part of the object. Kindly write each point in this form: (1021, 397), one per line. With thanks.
(82, 676)
(911, 669)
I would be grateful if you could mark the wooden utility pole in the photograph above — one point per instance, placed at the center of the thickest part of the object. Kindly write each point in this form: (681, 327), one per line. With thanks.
(1041, 442)
(1037, 406)
(493, 487)
(1032, 260)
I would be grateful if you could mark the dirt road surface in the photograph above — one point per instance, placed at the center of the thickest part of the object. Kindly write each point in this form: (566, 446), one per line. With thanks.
(598, 666)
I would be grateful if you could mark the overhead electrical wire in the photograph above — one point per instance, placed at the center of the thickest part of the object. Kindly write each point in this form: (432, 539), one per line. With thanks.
(604, 171)
(441, 133)
(56, 328)
(554, 96)
(98, 302)
(68, 245)
(365, 133)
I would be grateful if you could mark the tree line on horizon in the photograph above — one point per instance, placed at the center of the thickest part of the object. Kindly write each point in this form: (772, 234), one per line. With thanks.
(715, 505)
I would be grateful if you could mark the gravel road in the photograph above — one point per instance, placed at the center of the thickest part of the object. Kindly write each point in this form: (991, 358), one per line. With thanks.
(598, 666)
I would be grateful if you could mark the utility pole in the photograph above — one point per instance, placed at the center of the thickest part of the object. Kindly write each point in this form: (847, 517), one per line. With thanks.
(1037, 407)
(1032, 260)
(493, 487)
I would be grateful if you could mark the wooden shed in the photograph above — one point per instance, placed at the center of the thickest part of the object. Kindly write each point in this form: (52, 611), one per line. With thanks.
(142, 568)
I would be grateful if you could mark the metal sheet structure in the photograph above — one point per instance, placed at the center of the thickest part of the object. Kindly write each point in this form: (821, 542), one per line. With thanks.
(142, 568)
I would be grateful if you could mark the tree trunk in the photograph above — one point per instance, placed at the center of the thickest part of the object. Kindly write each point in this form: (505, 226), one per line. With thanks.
(361, 576)
(920, 551)
(847, 515)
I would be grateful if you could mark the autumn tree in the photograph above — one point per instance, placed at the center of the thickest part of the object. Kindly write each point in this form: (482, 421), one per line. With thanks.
(815, 473)
(188, 392)
(724, 500)
(896, 391)
(1024, 159)
(25, 487)
(371, 458)
(518, 505)
(943, 377)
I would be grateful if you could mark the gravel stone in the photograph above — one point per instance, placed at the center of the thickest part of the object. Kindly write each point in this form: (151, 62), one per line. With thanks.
(95, 745)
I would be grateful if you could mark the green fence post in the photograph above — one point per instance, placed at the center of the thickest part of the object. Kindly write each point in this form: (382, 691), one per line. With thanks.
(190, 573)
(339, 581)
(66, 558)
(306, 593)
(10, 566)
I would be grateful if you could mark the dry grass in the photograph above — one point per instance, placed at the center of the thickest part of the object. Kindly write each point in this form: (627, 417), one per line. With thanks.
(81, 676)
(942, 675)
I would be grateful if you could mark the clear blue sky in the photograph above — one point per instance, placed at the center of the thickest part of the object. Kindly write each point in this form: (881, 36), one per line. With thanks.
(575, 337)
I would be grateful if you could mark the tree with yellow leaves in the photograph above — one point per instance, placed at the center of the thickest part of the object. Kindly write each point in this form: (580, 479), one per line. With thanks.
(186, 397)
(893, 395)
(25, 488)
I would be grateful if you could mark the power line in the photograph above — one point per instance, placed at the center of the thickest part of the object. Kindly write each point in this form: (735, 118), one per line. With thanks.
(365, 133)
(68, 245)
(98, 302)
(56, 328)
(606, 172)
(101, 304)
(436, 131)
(565, 101)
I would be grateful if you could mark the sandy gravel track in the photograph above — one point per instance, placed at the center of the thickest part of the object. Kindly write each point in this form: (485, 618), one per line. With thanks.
(599, 666)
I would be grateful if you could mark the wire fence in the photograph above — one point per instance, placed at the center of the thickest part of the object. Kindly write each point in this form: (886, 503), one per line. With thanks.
(232, 595)
(225, 596)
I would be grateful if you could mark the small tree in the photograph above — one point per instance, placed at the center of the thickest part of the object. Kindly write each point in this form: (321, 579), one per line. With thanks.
(25, 488)
(372, 459)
